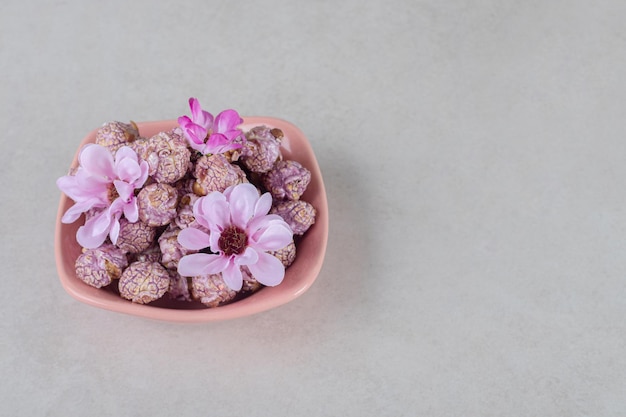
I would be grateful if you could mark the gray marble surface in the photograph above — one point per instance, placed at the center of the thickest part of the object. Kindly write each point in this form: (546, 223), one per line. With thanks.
(474, 156)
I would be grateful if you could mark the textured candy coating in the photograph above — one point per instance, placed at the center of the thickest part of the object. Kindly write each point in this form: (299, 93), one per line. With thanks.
(250, 284)
(286, 255)
(143, 282)
(114, 135)
(135, 237)
(211, 290)
(185, 217)
(151, 254)
(167, 155)
(185, 185)
(179, 287)
(98, 267)
(142, 148)
(157, 204)
(261, 150)
(171, 250)
(287, 180)
(298, 214)
(216, 173)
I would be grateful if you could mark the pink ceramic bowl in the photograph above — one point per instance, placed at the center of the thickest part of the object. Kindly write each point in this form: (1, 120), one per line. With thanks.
(298, 278)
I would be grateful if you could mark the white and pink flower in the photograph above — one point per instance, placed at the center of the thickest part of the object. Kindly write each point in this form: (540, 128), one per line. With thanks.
(241, 232)
(107, 185)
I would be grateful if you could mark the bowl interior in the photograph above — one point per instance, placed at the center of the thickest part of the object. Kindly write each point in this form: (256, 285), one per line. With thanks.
(310, 248)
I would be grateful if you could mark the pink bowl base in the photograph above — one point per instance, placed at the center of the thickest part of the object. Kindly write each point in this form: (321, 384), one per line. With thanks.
(299, 276)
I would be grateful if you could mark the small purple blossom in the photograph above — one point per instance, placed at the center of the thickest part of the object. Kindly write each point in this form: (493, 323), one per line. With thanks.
(106, 183)
(209, 135)
(241, 232)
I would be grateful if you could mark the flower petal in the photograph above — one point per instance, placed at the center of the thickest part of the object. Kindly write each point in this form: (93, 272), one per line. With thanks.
(217, 143)
(128, 170)
(126, 152)
(257, 226)
(194, 105)
(116, 207)
(214, 241)
(141, 180)
(268, 270)
(115, 230)
(184, 121)
(195, 146)
(233, 277)
(199, 116)
(98, 161)
(263, 205)
(227, 192)
(100, 222)
(131, 210)
(201, 264)
(227, 120)
(124, 190)
(274, 237)
(69, 186)
(87, 239)
(197, 133)
(91, 185)
(213, 210)
(74, 212)
(92, 234)
(261, 222)
(242, 201)
(250, 256)
(192, 238)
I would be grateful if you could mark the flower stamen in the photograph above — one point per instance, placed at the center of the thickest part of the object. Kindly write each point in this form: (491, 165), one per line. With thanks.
(112, 193)
(233, 241)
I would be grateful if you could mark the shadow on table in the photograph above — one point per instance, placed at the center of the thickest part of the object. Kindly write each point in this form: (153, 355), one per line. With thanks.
(342, 286)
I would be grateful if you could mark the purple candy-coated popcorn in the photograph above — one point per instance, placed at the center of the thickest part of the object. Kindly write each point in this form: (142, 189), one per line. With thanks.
(287, 180)
(135, 237)
(151, 254)
(185, 217)
(179, 287)
(286, 255)
(262, 149)
(157, 204)
(211, 290)
(143, 282)
(216, 173)
(250, 284)
(114, 135)
(185, 185)
(167, 155)
(298, 214)
(171, 250)
(98, 267)
(142, 148)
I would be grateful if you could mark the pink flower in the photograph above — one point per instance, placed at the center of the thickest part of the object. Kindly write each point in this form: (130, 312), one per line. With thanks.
(240, 233)
(197, 127)
(222, 132)
(106, 184)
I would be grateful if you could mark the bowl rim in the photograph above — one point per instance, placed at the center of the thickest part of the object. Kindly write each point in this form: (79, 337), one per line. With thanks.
(251, 305)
